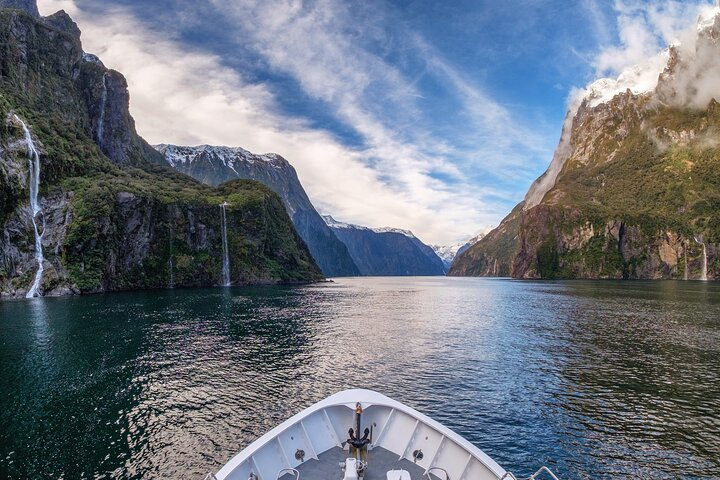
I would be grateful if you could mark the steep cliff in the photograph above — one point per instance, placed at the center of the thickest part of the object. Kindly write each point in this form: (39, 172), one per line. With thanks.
(107, 215)
(634, 188)
(214, 165)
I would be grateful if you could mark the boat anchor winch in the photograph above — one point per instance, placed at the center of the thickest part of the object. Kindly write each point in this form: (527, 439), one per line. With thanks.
(355, 466)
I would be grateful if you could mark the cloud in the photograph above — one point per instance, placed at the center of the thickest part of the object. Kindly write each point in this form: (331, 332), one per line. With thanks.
(329, 49)
(598, 21)
(401, 175)
(646, 30)
(647, 27)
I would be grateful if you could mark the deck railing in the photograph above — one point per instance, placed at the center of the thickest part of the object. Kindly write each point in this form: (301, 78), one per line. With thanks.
(291, 471)
(535, 475)
(431, 469)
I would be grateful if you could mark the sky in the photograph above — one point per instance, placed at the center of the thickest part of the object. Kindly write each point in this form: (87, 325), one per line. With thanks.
(434, 117)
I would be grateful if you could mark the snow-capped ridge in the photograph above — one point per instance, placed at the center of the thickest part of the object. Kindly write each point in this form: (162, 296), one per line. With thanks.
(407, 233)
(229, 156)
(640, 79)
(331, 222)
(447, 253)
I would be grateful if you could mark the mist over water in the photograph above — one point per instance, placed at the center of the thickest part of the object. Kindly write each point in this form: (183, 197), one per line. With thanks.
(594, 379)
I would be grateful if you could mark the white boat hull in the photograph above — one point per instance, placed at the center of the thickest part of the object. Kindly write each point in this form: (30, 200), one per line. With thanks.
(396, 428)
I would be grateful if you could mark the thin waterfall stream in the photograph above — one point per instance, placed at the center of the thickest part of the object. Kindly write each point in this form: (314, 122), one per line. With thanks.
(170, 260)
(34, 181)
(101, 117)
(226, 252)
(703, 269)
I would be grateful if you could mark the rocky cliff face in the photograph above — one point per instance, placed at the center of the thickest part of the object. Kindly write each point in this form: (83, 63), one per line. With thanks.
(635, 190)
(214, 165)
(387, 252)
(29, 6)
(107, 100)
(110, 217)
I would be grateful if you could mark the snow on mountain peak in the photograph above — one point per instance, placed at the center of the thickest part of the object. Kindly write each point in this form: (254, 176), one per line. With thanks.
(447, 253)
(708, 17)
(229, 156)
(639, 79)
(407, 233)
(331, 222)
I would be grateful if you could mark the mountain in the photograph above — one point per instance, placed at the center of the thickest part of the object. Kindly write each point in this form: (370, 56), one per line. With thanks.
(447, 253)
(27, 6)
(633, 190)
(86, 205)
(214, 165)
(386, 251)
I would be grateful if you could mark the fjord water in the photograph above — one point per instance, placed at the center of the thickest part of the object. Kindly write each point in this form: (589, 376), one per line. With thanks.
(595, 379)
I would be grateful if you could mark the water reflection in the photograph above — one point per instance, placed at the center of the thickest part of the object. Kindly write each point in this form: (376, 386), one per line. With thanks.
(601, 379)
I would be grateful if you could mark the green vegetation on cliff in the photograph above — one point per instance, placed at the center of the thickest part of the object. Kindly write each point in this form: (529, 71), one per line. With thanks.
(634, 200)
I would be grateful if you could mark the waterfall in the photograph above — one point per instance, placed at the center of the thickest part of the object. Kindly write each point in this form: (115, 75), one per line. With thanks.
(686, 264)
(101, 119)
(226, 252)
(34, 180)
(703, 270)
(170, 260)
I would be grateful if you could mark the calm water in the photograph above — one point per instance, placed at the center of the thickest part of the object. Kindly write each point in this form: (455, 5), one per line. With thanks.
(595, 379)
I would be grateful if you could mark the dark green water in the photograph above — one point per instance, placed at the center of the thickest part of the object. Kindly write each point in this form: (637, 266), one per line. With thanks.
(595, 379)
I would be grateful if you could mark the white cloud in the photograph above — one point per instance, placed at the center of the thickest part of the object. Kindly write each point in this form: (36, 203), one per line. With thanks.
(598, 20)
(190, 97)
(647, 27)
(324, 46)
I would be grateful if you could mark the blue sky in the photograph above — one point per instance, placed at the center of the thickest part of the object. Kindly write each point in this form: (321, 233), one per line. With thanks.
(430, 116)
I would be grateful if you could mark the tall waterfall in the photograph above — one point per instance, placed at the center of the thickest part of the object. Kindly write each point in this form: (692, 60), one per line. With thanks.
(101, 119)
(703, 270)
(226, 252)
(170, 260)
(34, 180)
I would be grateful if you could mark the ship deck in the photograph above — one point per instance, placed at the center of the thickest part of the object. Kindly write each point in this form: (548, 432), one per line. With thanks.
(379, 460)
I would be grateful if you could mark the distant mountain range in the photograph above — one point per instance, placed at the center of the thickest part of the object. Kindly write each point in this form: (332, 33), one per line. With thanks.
(215, 165)
(447, 253)
(387, 251)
